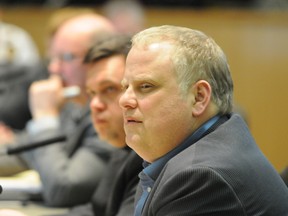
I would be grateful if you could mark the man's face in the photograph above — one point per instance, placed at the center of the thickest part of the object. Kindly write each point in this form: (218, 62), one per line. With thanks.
(66, 56)
(157, 117)
(103, 84)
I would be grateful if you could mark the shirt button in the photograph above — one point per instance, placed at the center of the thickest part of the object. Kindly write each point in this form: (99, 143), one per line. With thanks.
(148, 189)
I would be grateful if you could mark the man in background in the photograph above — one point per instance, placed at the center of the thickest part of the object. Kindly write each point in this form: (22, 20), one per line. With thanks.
(115, 194)
(128, 16)
(19, 66)
(106, 65)
(69, 170)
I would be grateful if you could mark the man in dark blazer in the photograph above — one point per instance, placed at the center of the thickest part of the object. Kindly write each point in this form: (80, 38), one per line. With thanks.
(200, 158)
(115, 193)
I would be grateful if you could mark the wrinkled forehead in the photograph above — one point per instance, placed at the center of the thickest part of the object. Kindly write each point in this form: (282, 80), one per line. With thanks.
(149, 54)
(147, 63)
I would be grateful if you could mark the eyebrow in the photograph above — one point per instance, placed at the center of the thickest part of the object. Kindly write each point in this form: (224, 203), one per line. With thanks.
(138, 78)
(104, 82)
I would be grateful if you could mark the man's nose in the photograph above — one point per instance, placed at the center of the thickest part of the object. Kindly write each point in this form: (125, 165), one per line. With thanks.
(128, 99)
(97, 104)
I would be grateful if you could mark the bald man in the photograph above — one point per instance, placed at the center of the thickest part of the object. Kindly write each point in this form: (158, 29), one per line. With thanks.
(70, 170)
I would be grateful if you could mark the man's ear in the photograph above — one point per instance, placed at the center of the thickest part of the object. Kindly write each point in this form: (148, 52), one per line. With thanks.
(202, 94)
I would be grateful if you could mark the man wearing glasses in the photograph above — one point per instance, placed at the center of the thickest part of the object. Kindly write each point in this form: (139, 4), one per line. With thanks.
(69, 170)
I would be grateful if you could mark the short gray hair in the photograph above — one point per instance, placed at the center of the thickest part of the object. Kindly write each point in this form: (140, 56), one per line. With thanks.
(195, 57)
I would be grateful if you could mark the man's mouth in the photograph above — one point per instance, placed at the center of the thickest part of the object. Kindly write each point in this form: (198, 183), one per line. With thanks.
(100, 121)
(132, 120)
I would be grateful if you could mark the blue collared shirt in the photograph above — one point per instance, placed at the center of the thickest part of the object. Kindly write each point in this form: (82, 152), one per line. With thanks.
(151, 171)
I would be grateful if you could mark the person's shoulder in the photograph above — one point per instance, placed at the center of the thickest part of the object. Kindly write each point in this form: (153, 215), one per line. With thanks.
(126, 154)
(127, 160)
(135, 160)
(13, 29)
(213, 150)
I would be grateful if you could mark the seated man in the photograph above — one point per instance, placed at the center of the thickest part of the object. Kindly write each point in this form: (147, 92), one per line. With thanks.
(69, 170)
(200, 158)
(115, 193)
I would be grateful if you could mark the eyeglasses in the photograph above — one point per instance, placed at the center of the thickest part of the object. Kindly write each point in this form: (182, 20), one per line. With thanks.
(65, 57)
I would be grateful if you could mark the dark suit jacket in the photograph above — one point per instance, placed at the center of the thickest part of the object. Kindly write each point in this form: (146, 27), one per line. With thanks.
(116, 191)
(223, 174)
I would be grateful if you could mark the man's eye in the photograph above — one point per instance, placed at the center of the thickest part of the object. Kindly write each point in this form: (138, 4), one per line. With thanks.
(145, 86)
(110, 89)
(67, 57)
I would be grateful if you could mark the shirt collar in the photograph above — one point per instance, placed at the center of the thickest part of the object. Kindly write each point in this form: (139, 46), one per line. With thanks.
(153, 170)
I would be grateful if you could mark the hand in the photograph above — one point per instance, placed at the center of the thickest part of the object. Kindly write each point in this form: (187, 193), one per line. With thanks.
(6, 134)
(46, 98)
(10, 212)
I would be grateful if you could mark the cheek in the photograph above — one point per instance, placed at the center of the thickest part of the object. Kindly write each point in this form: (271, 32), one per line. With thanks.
(75, 74)
(116, 114)
(156, 107)
(119, 125)
(93, 120)
(166, 112)
(80, 75)
(67, 74)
